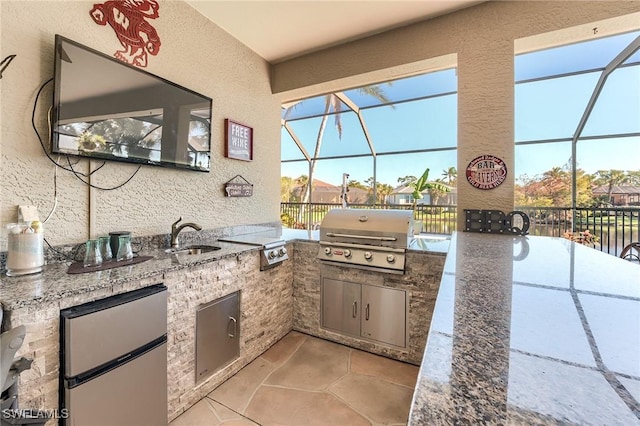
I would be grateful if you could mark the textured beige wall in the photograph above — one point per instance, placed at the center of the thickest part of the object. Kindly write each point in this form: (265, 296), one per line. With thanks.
(482, 38)
(196, 54)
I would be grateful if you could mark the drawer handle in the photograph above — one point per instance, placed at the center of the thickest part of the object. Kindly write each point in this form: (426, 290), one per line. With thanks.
(235, 327)
(354, 309)
(366, 313)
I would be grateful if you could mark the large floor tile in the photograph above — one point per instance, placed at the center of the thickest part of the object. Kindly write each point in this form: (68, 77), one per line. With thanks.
(378, 366)
(236, 392)
(203, 413)
(284, 348)
(378, 400)
(314, 366)
(229, 417)
(288, 407)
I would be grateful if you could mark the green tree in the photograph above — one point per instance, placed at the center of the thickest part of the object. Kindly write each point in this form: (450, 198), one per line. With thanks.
(406, 180)
(553, 189)
(357, 184)
(633, 177)
(384, 191)
(611, 178)
(302, 181)
(450, 175)
(437, 191)
(286, 187)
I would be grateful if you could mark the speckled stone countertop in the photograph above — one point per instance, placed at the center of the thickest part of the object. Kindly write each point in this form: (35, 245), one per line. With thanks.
(54, 283)
(531, 330)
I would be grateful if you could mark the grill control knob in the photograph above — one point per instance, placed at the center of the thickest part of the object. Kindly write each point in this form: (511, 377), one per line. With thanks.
(368, 255)
(282, 252)
(391, 258)
(272, 254)
(327, 251)
(347, 254)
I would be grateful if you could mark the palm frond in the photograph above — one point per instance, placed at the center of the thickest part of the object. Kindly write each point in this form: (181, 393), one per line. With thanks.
(377, 92)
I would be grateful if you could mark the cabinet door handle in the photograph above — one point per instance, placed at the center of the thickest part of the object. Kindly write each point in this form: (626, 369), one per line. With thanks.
(366, 313)
(354, 309)
(235, 327)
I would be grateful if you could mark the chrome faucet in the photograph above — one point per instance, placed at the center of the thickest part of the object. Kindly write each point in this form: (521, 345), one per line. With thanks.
(175, 230)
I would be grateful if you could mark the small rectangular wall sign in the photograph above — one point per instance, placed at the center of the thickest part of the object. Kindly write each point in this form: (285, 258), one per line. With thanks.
(238, 190)
(238, 187)
(238, 141)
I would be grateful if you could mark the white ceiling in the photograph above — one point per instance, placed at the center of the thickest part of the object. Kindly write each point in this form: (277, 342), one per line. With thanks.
(280, 30)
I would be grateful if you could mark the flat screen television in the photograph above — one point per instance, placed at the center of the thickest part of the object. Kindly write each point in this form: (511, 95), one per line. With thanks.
(106, 109)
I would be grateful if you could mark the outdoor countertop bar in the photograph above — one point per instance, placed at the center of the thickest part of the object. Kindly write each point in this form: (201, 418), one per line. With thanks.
(531, 330)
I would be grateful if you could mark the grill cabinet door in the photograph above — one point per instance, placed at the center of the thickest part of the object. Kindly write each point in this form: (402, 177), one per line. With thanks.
(341, 306)
(217, 335)
(384, 314)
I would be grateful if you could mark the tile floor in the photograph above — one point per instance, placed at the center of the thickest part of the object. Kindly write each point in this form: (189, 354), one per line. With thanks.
(303, 380)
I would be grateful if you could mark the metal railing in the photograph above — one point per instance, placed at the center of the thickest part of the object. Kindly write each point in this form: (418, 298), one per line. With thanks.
(614, 228)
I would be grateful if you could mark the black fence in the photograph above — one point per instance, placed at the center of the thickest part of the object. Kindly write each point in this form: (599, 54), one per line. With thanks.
(613, 228)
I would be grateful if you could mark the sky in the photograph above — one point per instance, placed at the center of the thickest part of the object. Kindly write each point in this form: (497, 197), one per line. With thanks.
(544, 109)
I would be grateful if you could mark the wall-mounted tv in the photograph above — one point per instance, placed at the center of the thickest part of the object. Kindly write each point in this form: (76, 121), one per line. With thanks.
(106, 109)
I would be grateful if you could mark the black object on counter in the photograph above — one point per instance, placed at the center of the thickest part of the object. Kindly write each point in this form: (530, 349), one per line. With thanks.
(114, 240)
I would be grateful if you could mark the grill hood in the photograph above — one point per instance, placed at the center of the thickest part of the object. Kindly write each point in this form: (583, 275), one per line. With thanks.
(383, 228)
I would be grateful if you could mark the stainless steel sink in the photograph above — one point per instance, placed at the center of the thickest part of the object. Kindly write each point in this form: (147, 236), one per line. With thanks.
(193, 249)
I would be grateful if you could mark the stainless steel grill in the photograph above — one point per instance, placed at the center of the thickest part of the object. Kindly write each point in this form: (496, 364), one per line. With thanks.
(369, 239)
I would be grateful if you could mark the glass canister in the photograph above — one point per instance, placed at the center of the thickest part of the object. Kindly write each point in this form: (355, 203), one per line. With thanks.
(25, 248)
(105, 248)
(92, 255)
(125, 251)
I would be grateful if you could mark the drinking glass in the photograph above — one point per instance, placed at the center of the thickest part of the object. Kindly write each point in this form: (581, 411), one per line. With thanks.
(105, 248)
(92, 256)
(125, 252)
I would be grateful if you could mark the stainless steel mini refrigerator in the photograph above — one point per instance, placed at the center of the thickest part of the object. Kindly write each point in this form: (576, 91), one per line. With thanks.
(114, 360)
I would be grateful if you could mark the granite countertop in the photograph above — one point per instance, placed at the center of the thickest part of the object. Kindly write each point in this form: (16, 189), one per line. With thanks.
(531, 330)
(54, 283)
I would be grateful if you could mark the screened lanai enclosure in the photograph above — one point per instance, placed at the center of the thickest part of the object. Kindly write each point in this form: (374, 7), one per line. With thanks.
(577, 145)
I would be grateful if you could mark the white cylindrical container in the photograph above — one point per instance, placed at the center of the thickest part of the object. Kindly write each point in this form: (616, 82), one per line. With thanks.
(25, 248)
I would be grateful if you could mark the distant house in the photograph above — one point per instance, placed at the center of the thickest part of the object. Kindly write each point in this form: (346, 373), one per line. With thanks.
(323, 192)
(621, 195)
(402, 195)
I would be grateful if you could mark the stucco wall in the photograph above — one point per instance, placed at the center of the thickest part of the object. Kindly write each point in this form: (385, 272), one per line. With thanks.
(481, 42)
(196, 54)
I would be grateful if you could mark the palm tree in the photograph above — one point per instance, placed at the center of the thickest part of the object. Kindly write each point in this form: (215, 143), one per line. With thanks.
(369, 183)
(333, 104)
(303, 182)
(450, 175)
(384, 191)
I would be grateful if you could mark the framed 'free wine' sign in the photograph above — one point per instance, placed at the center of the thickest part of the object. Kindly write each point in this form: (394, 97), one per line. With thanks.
(238, 141)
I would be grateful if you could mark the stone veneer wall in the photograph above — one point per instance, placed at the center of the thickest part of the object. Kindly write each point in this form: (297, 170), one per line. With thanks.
(421, 281)
(266, 316)
(266, 312)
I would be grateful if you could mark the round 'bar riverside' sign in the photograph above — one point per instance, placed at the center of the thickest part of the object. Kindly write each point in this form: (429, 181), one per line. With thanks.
(486, 172)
